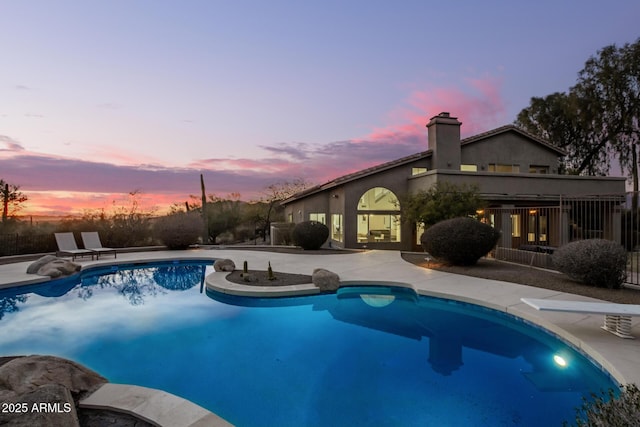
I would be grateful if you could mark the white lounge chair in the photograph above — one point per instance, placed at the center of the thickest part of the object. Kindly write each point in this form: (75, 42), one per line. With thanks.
(617, 317)
(67, 246)
(91, 241)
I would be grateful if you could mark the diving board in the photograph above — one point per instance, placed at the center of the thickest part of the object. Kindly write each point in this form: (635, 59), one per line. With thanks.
(617, 317)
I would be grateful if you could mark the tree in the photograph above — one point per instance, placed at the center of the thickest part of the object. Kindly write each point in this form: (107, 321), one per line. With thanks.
(270, 202)
(598, 117)
(442, 201)
(556, 118)
(222, 214)
(610, 82)
(11, 199)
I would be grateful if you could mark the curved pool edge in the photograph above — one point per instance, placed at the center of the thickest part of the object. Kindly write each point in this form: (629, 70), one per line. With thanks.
(217, 282)
(152, 405)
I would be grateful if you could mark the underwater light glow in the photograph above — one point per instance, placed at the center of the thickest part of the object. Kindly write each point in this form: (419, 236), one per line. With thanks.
(559, 360)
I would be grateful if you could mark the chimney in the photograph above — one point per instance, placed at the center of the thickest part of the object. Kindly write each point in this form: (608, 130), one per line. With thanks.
(444, 140)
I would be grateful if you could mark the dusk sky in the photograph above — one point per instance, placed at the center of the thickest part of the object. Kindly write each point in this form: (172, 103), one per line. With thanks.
(101, 98)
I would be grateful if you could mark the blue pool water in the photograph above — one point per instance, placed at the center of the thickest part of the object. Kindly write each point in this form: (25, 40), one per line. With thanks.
(365, 356)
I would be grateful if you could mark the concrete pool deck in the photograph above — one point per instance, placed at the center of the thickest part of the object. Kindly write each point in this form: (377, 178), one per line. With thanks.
(620, 357)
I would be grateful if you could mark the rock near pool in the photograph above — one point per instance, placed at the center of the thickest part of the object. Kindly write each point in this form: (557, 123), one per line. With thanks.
(224, 265)
(326, 280)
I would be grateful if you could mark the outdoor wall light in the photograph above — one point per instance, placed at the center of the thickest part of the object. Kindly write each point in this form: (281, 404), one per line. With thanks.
(335, 196)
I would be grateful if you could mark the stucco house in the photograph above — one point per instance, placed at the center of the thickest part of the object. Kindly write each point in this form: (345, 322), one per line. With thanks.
(516, 173)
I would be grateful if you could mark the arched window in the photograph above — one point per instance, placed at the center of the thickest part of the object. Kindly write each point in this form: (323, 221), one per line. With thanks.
(378, 216)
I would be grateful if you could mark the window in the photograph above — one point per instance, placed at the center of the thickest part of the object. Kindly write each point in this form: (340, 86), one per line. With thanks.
(378, 216)
(515, 225)
(469, 168)
(337, 232)
(418, 171)
(290, 217)
(497, 167)
(320, 217)
(538, 169)
(378, 199)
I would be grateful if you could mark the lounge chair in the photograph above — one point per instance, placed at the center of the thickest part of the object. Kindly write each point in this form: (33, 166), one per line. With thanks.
(67, 246)
(91, 241)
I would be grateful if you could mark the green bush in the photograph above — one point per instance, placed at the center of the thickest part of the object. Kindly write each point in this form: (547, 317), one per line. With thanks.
(310, 234)
(609, 410)
(459, 241)
(178, 231)
(596, 262)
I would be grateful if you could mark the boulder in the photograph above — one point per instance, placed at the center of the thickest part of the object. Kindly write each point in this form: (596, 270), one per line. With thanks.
(58, 268)
(224, 265)
(37, 264)
(52, 266)
(26, 374)
(326, 280)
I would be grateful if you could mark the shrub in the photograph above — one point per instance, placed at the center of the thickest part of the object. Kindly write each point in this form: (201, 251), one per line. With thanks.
(459, 241)
(596, 262)
(178, 231)
(609, 410)
(310, 234)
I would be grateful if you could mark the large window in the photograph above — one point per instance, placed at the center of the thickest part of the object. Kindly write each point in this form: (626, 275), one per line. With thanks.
(378, 216)
(337, 232)
(320, 217)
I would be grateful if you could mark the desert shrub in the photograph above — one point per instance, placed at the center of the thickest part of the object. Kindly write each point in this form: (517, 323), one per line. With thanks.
(608, 410)
(459, 241)
(179, 230)
(596, 262)
(310, 234)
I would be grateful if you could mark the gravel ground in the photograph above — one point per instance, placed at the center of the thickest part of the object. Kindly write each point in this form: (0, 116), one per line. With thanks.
(508, 272)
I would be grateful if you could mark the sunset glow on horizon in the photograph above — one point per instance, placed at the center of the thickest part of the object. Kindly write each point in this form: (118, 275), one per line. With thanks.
(101, 99)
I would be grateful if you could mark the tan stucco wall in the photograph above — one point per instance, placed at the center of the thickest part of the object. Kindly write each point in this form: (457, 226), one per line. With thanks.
(509, 148)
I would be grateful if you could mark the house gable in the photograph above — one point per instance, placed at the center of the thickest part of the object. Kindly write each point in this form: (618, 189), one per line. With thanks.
(509, 146)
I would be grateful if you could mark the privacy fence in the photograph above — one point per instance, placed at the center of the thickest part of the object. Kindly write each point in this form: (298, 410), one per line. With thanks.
(26, 243)
(530, 234)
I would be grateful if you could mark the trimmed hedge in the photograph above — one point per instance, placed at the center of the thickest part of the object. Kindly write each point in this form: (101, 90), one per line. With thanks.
(310, 235)
(179, 231)
(595, 262)
(459, 241)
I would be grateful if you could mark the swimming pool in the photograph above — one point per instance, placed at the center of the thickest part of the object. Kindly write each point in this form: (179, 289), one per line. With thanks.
(363, 356)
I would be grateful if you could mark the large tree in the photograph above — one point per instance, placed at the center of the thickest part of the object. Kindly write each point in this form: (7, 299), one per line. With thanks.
(11, 198)
(598, 117)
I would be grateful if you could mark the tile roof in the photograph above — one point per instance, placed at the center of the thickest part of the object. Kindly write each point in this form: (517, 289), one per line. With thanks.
(424, 154)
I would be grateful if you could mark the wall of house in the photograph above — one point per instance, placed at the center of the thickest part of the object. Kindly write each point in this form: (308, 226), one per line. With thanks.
(509, 148)
(301, 209)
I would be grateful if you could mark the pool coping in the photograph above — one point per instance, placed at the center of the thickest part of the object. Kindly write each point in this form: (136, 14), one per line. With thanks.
(618, 357)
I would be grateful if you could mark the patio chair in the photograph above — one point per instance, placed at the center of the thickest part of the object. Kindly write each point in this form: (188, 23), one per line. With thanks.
(67, 246)
(91, 241)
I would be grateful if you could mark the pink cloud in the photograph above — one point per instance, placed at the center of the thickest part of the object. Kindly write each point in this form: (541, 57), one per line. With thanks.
(479, 107)
(56, 183)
